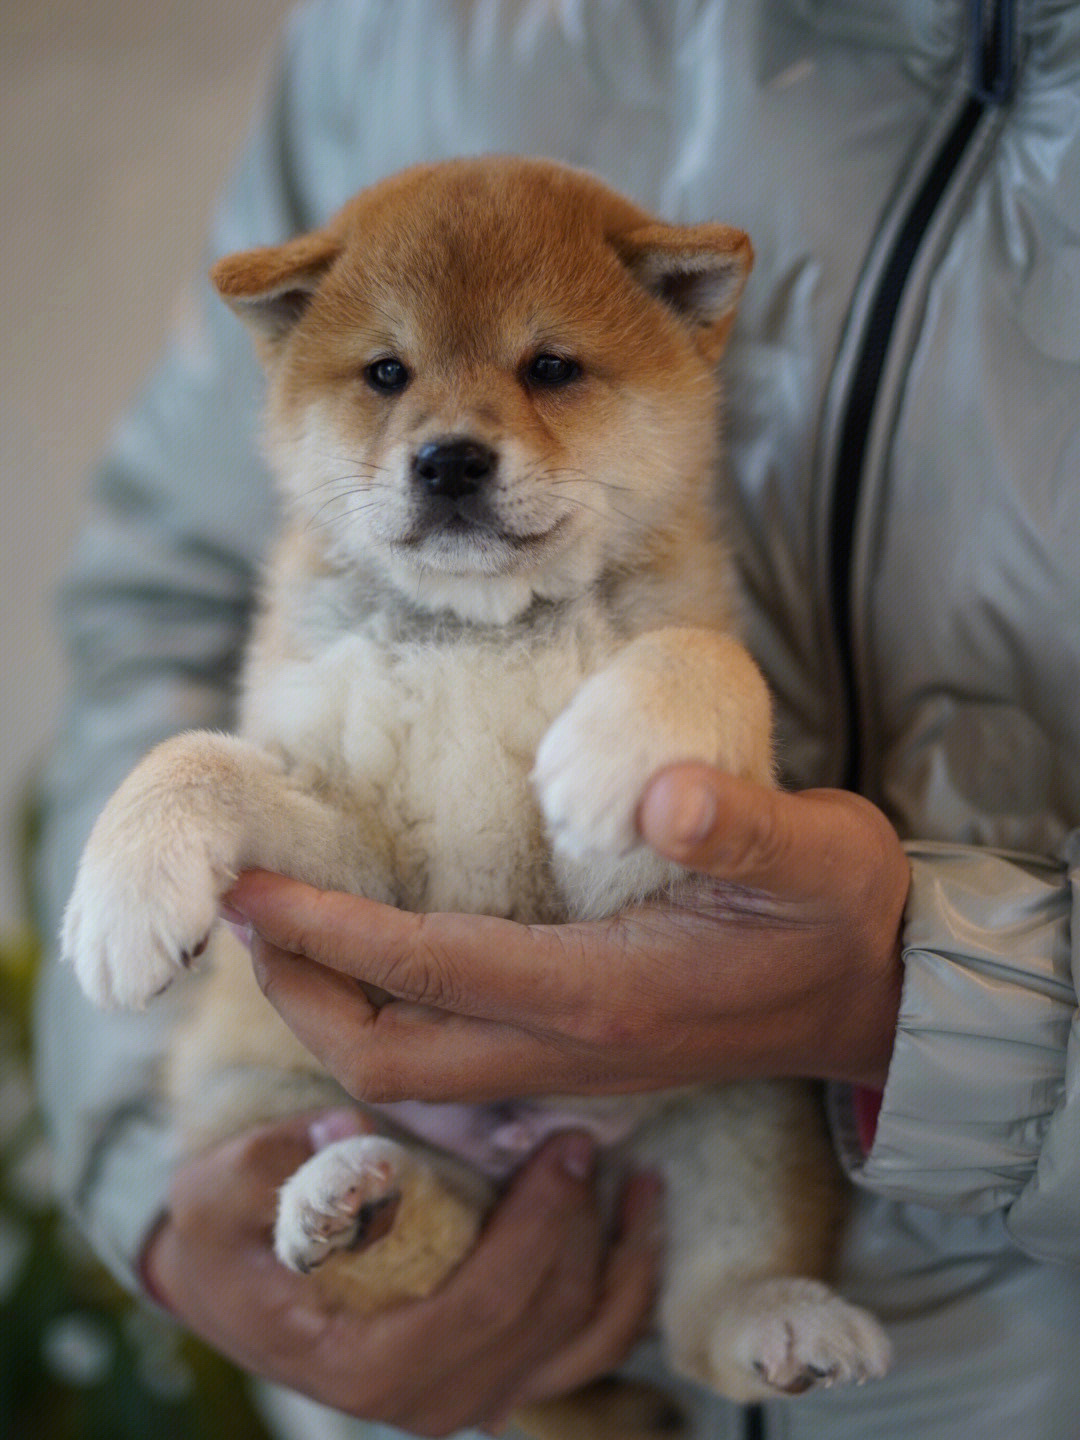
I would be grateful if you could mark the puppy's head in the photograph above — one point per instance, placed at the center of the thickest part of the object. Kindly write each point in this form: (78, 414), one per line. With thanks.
(491, 376)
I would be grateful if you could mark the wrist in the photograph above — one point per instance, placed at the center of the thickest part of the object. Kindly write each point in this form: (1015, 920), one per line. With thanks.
(870, 995)
(873, 1032)
(873, 1005)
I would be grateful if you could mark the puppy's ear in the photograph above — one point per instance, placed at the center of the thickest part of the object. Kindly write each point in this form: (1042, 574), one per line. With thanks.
(699, 270)
(271, 287)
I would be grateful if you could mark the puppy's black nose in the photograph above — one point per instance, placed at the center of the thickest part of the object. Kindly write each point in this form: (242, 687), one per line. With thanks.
(453, 468)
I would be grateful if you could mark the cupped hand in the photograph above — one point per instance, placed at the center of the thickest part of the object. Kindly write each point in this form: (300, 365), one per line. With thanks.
(784, 961)
(540, 1307)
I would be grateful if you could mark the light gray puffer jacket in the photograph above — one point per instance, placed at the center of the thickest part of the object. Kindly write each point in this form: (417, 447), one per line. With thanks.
(903, 421)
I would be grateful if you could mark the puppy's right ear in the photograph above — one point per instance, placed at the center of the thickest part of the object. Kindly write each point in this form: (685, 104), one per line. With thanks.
(271, 287)
(697, 270)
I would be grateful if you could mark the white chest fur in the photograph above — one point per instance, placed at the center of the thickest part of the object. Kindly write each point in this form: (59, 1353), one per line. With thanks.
(437, 739)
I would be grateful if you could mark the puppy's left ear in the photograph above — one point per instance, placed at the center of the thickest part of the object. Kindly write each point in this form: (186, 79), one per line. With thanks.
(699, 270)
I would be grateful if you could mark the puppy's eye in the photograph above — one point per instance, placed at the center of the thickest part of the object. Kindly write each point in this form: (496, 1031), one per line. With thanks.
(387, 375)
(551, 371)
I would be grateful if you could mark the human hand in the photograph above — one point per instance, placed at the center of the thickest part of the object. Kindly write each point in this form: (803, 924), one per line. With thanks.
(540, 1307)
(786, 963)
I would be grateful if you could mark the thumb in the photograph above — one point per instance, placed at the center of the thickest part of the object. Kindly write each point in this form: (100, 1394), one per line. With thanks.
(276, 1149)
(736, 830)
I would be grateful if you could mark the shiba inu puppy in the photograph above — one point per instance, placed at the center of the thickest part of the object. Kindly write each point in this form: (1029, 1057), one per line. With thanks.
(499, 605)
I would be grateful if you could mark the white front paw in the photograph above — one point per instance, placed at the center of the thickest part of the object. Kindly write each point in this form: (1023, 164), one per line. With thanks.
(669, 696)
(594, 763)
(145, 898)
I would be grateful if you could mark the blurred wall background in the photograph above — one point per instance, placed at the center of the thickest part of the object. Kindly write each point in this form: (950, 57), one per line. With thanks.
(119, 120)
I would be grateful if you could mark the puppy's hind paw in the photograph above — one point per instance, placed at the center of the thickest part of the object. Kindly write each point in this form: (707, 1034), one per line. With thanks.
(344, 1198)
(797, 1335)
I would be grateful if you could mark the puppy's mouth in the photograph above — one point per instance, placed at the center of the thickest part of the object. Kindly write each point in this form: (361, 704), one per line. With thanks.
(485, 533)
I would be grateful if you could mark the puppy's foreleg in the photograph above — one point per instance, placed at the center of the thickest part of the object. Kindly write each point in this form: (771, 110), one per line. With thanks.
(669, 695)
(197, 810)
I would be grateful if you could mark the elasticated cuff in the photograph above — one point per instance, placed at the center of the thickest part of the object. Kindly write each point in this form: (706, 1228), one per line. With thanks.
(978, 1068)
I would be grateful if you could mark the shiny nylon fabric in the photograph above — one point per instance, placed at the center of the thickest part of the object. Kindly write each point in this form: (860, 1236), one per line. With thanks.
(810, 125)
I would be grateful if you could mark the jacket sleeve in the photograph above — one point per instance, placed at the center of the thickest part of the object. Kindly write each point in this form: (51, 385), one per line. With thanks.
(981, 1108)
(153, 615)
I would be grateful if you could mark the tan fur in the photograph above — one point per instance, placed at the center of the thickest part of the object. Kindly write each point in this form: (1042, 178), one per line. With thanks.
(456, 704)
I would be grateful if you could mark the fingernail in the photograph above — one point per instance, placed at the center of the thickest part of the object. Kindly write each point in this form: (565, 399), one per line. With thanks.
(228, 911)
(335, 1125)
(678, 812)
(577, 1155)
(243, 930)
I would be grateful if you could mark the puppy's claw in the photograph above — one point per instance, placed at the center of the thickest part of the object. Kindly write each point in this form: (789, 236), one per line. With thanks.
(797, 1336)
(188, 957)
(374, 1220)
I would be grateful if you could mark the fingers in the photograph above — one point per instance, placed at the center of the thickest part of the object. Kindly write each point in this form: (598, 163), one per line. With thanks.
(472, 964)
(434, 1042)
(404, 1051)
(551, 1189)
(229, 1192)
(625, 1304)
(532, 1280)
(401, 1051)
(327, 1011)
(535, 1304)
(210, 1259)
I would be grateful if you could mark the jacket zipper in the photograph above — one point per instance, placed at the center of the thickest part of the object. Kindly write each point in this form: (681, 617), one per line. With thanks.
(755, 1423)
(991, 84)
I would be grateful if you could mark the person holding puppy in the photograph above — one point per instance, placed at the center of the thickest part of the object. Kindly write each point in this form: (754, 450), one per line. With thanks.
(902, 442)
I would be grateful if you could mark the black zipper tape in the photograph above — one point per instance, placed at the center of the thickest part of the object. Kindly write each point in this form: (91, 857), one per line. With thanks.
(992, 80)
(855, 431)
(993, 62)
